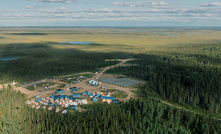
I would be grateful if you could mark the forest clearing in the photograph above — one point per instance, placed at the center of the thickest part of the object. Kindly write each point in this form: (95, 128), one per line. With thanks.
(85, 87)
(83, 84)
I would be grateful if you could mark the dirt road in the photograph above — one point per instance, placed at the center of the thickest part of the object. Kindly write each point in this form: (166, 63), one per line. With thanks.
(98, 75)
(113, 66)
(87, 87)
(83, 84)
(29, 93)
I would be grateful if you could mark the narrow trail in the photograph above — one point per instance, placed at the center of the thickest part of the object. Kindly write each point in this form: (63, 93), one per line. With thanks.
(167, 103)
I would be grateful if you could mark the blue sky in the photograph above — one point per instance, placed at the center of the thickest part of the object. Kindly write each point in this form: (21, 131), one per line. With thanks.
(110, 13)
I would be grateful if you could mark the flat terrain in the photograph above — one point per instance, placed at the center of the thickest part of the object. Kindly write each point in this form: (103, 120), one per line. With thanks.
(133, 40)
(40, 55)
(83, 84)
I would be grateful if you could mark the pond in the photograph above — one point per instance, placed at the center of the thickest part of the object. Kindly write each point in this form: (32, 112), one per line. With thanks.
(161, 33)
(173, 35)
(166, 34)
(77, 42)
(12, 58)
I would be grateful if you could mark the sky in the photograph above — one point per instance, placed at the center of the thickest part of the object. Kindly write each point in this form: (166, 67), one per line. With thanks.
(110, 13)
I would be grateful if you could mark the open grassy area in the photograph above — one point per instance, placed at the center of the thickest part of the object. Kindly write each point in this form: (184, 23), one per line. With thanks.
(120, 94)
(133, 40)
(107, 39)
(32, 88)
(40, 86)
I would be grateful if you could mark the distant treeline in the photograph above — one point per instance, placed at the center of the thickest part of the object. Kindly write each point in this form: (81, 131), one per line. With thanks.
(135, 116)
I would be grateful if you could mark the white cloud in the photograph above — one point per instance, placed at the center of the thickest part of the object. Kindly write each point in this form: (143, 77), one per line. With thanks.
(53, 1)
(47, 11)
(59, 15)
(30, 7)
(106, 10)
(208, 15)
(154, 13)
(143, 3)
(140, 14)
(107, 14)
(159, 3)
(14, 11)
(211, 4)
(62, 8)
(33, 6)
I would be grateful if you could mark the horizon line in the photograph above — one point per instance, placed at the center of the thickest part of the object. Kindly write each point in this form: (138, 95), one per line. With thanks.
(107, 26)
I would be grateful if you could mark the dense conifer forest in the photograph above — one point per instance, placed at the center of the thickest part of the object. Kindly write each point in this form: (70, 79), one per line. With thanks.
(180, 77)
(171, 77)
(41, 60)
(134, 116)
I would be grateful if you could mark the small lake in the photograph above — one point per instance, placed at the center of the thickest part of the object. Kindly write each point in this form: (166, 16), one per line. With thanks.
(173, 35)
(166, 34)
(161, 33)
(12, 58)
(77, 42)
